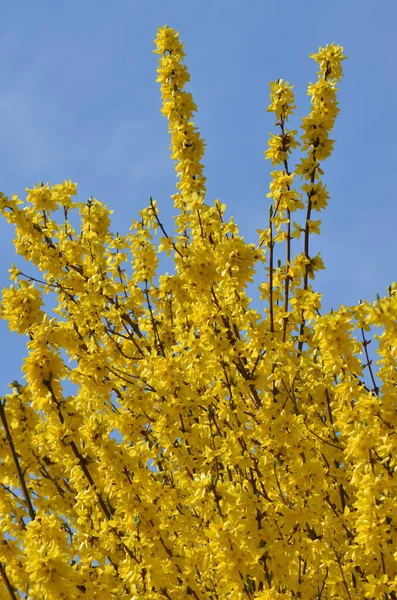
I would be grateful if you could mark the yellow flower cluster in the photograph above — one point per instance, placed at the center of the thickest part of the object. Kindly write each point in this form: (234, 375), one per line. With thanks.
(22, 307)
(171, 441)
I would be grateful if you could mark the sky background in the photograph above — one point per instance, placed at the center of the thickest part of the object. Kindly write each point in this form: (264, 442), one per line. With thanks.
(79, 100)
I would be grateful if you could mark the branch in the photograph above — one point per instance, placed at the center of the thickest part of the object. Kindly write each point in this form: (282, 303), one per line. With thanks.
(7, 583)
(161, 226)
(21, 478)
(365, 343)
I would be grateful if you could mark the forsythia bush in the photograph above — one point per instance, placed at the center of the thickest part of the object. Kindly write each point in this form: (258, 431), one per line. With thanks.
(209, 450)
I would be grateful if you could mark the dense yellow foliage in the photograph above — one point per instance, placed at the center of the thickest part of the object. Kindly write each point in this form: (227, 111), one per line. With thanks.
(211, 450)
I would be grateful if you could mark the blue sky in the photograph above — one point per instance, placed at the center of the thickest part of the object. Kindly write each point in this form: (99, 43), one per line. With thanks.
(79, 100)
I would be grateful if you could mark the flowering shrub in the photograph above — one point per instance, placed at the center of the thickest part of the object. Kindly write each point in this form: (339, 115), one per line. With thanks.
(211, 450)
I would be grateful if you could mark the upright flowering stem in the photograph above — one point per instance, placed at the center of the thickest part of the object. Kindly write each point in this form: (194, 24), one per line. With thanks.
(271, 266)
(316, 141)
(187, 146)
(286, 144)
(282, 193)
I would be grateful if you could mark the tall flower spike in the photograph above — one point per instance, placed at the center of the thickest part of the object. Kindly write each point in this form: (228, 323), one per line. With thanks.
(317, 127)
(187, 146)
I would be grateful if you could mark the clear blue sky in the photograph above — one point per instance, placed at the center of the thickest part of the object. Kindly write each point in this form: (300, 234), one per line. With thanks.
(79, 100)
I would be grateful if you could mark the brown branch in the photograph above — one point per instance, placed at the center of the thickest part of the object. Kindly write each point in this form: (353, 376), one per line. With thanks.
(292, 398)
(341, 572)
(7, 582)
(329, 406)
(322, 439)
(365, 344)
(108, 511)
(162, 227)
(21, 478)
(320, 593)
(9, 490)
(271, 246)
(157, 339)
(278, 484)
(288, 254)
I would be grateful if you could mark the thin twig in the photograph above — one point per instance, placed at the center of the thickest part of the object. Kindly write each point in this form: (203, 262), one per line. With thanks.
(159, 223)
(365, 344)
